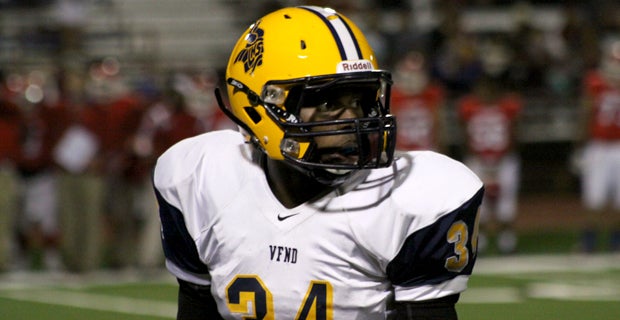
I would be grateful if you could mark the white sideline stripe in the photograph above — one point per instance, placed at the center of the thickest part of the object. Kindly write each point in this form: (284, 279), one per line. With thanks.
(563, 291)
(491, 295)
(33, 280)
(96, 302)
(542, 290)
(546, 263)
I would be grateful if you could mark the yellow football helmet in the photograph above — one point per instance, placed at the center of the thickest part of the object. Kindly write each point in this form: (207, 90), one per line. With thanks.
(300, 57)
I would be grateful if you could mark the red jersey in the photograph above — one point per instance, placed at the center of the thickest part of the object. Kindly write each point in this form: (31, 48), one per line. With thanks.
(160, 128)
(417, 116)
(122, 120)
(179, 125)
(10, 119)
(41, 129)
(605, 110)
(489, 127)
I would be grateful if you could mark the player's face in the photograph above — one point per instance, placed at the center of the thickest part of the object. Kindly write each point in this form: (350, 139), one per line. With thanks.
(346, 104)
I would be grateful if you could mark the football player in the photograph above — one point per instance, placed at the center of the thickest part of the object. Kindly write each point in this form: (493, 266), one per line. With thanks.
(307, 213)
(10, 121)
(601, 148)
(417, 103)
(490, 117)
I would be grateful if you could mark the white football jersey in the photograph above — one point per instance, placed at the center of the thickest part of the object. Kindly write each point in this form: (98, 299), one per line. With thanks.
(405, 233)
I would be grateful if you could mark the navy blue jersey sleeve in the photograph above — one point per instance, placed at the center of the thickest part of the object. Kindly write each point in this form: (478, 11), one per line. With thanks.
(179, 247)
(440, 251)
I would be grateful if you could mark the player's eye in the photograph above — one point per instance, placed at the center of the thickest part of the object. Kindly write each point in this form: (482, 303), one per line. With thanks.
(330, 107)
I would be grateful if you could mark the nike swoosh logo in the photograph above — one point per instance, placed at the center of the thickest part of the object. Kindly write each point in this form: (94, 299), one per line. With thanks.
(282, 218)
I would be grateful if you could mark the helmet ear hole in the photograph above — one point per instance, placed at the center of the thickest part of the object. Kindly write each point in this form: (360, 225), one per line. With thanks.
(253, 114)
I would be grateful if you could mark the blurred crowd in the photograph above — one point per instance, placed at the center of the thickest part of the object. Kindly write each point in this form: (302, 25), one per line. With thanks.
(75, 171)
(525, 50)
(75, 164)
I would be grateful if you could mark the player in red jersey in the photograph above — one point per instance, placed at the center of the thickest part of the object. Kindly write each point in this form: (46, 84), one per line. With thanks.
(43, 108)
(10, 119)
(601, 147)
(490, 118)
(417, 103)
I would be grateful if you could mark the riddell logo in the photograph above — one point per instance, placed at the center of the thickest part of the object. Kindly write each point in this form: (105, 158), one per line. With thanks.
(354, 66)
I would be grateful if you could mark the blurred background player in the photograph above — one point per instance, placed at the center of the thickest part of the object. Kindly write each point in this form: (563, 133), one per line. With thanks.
(490, 116)
(41, 127)
(79, 159)
(601, 150)
(10, 118)
(167, 121)
(418, 104)
(122, 109)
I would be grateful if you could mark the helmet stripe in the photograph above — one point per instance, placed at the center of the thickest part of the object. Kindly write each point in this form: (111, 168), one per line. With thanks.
(343, 35)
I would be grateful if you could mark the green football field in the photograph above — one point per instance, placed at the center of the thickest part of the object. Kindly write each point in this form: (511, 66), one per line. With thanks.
(560, 286)
(545, 287)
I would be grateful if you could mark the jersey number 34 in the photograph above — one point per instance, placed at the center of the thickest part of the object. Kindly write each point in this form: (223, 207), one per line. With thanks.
(246, 289)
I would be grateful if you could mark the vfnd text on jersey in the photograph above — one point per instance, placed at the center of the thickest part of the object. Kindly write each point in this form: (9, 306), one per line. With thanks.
(283, 254)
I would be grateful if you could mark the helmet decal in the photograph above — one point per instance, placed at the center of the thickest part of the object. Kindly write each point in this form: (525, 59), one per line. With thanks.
(354, 66)
(343, 35)
(252, 54)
